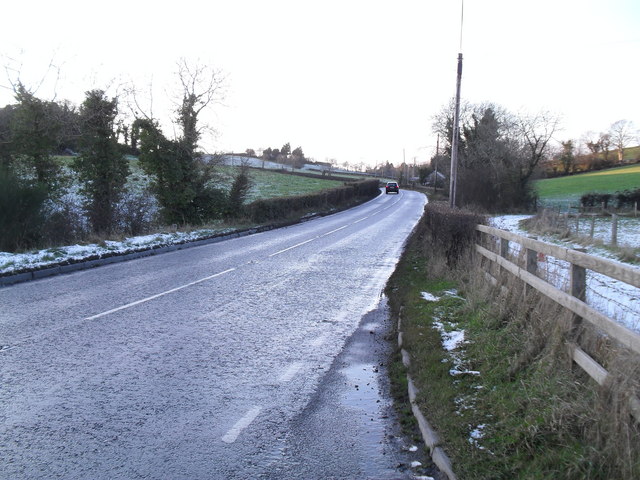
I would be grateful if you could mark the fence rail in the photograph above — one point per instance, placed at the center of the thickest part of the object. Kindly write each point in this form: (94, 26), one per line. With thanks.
(573, 301)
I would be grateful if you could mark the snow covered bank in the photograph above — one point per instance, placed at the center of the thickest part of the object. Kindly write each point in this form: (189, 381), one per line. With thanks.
(11, 263)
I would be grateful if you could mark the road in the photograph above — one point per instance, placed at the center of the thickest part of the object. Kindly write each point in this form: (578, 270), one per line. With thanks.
(219, 361)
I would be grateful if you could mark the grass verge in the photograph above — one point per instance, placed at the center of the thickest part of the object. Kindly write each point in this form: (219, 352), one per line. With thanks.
(506, 400)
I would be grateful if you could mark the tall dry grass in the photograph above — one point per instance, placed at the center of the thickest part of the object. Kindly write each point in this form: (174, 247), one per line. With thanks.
(546, 417)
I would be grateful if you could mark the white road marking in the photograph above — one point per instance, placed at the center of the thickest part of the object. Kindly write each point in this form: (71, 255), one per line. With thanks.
(290, 372)
(318, 341)
(232, 435)
(158, 295)
(336, 230)
(330, 232)
(292, 247)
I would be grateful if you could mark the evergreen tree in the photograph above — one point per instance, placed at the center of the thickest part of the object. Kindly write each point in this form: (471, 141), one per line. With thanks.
(35, 128)
(101, 167)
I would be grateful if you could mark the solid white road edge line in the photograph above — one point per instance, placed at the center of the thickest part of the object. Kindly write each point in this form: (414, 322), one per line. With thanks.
(158, 295)
(241, 424)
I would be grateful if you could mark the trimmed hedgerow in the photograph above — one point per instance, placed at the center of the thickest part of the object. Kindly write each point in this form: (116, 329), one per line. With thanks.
(450, 230)
(623, 199)
(273, 209)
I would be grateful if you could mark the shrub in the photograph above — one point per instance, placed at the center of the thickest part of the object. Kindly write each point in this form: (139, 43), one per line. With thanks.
(238, 193)
(628, 198)
(65, 220)
(137, 212)
(595, 199)
(273, 209)
(21, 211)
(449, 231)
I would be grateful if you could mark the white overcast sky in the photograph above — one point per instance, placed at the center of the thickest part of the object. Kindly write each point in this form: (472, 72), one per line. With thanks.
(353, 80)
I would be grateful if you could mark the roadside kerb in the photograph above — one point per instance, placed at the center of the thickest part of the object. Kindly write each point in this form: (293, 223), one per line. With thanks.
(117, 258)
(145, 252)
(429, 435)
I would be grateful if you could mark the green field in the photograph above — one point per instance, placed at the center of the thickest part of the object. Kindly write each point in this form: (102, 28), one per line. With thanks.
(271, 183)
(569, 189)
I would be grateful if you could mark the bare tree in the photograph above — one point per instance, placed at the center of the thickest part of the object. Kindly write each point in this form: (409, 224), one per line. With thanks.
(535, 132)
(201, 86)
(622, 134)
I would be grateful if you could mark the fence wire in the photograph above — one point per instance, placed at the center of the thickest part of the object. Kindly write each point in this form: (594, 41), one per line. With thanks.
(613, 298)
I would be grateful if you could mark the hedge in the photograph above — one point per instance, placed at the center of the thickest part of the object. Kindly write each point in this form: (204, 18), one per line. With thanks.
(273, 209)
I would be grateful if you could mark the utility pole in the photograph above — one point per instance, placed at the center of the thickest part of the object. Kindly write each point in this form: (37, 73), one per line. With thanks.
(435, 183)
(456, 126)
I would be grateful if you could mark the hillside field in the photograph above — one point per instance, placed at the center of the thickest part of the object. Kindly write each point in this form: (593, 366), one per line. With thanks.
(569, 189)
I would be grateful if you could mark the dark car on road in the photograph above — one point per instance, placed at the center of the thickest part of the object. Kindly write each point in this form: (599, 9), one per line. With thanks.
(392, 187)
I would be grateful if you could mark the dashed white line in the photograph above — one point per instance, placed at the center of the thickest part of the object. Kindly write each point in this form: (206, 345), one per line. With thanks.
(290, 372)
(336, 230)
(292, 247)
(232, 435)
(318, 341)
(158, 295)
(329, 233)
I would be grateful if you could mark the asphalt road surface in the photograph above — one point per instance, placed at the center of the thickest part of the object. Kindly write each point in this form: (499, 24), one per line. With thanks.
(255, 357)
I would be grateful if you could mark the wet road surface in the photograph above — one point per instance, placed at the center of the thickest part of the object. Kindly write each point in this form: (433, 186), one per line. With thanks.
(221, 361)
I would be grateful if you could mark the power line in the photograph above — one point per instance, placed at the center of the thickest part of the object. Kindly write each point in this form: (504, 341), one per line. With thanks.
(461, 24)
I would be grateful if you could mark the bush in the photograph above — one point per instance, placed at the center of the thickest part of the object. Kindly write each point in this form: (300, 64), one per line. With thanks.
(628, 198)
(137, 212)
(65, 221)
(21, 211)
(274, 209)
(624, 199)
(595, 199)
(449, 231)
(238, 193)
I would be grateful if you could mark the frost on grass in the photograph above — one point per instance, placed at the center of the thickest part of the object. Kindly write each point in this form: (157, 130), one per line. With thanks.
(615, 299)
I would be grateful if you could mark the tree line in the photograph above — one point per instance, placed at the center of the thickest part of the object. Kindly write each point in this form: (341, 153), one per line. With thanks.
(594, 151)
(43, 201)
(501, 153)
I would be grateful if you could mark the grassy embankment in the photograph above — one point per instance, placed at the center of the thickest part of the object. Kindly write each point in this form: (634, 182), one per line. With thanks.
(568, 190)
(507, 402)
(297, 193)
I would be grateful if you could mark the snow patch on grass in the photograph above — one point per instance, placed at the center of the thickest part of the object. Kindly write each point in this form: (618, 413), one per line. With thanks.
(429, 297)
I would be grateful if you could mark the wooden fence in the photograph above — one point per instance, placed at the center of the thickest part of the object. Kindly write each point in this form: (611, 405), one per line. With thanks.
(575, 299)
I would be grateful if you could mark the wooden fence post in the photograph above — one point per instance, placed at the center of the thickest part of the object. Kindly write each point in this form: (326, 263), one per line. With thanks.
(614, 230)
(531, 265)
(593, 226)
(578, 289)
(504, 253)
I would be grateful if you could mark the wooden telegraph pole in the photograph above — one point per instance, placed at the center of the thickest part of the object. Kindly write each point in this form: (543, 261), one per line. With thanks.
(453, 181)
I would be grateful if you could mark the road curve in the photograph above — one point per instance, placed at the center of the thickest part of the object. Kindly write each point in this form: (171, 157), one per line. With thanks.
(197, 363)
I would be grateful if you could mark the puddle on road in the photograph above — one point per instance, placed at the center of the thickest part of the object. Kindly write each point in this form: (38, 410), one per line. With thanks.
(367, 394)
(350, 429)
